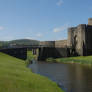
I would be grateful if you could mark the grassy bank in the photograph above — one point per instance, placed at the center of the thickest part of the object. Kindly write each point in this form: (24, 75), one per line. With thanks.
(80, 60)
(15, 77)
(30, 57)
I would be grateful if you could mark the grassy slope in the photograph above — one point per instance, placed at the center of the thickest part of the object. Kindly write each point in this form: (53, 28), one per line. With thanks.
(30, 56)
(80, 60)
(15, 77)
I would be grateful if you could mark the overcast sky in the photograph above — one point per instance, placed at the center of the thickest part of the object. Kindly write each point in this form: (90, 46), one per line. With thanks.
(41, 19)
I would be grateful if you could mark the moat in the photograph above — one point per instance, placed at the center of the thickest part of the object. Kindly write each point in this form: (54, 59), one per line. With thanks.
(70, 77)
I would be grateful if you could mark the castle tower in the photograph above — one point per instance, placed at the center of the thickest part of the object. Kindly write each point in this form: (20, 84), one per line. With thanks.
(90, 21)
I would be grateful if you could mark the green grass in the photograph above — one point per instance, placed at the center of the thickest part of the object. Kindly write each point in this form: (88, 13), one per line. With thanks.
(50, 60)
(80, 60)
(30, 57)
(15, 77)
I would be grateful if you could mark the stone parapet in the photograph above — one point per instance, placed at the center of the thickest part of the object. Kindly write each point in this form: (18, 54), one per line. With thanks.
(90, 21)
(61, 43)
(47, 43)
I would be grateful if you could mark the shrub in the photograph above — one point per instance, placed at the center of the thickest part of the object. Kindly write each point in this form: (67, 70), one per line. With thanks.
(50, 60)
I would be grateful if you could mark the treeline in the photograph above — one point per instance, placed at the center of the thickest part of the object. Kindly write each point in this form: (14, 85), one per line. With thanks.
(18, 42)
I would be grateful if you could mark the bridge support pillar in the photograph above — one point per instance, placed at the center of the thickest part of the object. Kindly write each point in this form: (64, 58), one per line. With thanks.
(34, 51)
(51, 52)
(20, 53)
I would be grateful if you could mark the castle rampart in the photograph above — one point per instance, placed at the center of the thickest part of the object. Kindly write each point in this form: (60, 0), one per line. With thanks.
(47, 43)
(61, 44)
(79, 42)
(90, 21)
(80, 39)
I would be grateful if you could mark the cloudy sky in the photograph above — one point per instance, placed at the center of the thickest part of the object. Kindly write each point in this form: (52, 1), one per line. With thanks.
(41, 19)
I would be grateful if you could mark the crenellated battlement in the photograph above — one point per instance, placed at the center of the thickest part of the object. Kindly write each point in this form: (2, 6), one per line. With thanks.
(90, 21)
(80, 39)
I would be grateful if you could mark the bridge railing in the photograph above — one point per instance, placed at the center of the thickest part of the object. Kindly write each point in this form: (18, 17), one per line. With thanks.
(25, 46)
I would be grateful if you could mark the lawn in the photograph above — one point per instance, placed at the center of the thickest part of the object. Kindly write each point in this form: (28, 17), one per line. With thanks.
(30, 57)
(80, 60)
(16, 77)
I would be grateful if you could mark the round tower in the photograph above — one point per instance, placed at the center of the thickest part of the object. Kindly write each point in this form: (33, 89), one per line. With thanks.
(90, 21)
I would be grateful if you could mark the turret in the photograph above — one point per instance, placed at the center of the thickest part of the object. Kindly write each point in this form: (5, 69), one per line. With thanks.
(90, 21)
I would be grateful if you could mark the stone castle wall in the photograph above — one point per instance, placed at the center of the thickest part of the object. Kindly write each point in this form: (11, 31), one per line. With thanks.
(61, 44)
(89, 37)
(55, 49)
(80, 39)
(90, 21)
(89, 40)
(76, 39)
(47, 43)
(79, 43)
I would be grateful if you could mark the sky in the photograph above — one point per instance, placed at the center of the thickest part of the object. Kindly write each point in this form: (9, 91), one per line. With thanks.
(41, 19)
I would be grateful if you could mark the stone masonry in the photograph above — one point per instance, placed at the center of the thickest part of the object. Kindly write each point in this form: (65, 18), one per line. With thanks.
(79, 43)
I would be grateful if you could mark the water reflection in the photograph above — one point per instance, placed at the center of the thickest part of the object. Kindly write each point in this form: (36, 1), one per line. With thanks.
(34, 66)
(71, 77)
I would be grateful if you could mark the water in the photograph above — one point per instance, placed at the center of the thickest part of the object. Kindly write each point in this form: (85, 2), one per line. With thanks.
(70, 77)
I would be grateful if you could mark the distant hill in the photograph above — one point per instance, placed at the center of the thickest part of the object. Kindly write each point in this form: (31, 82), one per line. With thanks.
(4, 43)
(24, 42)
(19, 42)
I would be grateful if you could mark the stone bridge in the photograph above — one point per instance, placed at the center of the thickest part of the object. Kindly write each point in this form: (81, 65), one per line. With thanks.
(44, 50)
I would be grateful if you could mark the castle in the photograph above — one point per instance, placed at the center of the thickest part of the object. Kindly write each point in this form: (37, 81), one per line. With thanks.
(80, 39)
(79, 43)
